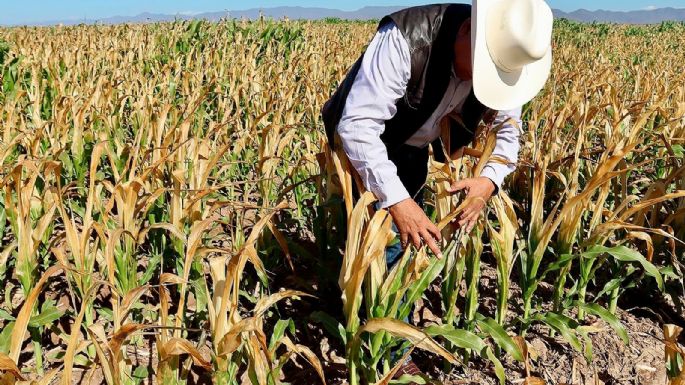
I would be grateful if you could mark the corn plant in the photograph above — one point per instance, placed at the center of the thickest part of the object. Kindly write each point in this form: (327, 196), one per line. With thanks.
(674, 354)
(158, 180)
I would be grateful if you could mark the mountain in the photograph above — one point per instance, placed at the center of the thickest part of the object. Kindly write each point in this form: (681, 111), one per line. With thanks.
(376, 12)
(647, 16)
(307, 13)
(366, 13)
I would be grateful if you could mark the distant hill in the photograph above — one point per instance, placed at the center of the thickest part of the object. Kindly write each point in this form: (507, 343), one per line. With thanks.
(632, 17)
(367, 13)
(295, 13)
(307, 13)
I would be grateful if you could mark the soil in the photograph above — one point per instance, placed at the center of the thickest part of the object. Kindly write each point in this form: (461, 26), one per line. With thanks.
(551, 358)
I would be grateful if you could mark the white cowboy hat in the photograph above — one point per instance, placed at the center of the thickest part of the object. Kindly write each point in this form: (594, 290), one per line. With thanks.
(511, 51)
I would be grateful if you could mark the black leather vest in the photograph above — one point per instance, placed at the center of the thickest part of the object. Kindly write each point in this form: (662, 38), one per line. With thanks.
(430, 32)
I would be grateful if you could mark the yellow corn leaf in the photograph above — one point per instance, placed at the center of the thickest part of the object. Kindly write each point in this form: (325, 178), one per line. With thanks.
(503, 240)
(130, 299)
(170, 279)
(73, 342)
(344, 172)
(217, 270)
(259, 226)
(643, 236)
(194, 242)
(407, 332)
(222, 292)
(265, 303)
(179, 346)
(604, 230)
(308, 355)
(451, 216)
(533, 381)
(671, 334)
(175, 231)
(164, 300)
(5, 254)
(256, 362)
(356, 264)
(48, 378)
(97, 334)
(283, 243)
(355, 228)
(385, 380)
(650, 202)
(230, 342)
(378, 236)
(120, 336)
(24, 316)
(8, 366)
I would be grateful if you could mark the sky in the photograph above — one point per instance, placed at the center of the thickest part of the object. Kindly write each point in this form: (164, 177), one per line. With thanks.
(31, 11)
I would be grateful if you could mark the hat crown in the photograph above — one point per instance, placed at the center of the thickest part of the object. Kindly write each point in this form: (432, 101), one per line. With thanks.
(518, 32)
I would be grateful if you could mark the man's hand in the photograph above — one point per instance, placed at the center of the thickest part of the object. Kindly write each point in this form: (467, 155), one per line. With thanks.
(415, 226)
(478, 192)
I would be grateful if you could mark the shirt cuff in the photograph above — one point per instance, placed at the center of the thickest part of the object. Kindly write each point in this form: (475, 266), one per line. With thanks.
(496, 173)
(390, 192)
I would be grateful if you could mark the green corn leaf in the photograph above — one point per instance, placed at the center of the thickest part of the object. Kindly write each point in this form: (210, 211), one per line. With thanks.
(562, 325)
(490, 327)
(461, 338)
(466, 340)
(332, 326)
(153, 263)
(140, 374)
(278, 332)
(499, 368)
(609, 318)
(610, 286)
(419, 287)
(562, 261)
(407, 379)
(4, 51)
(587, 346)
(618, 282)
(5, 316)
(670, 273)
(47, 316)
(201, 296)
(5, 336)
(3, 220)
(625, 254)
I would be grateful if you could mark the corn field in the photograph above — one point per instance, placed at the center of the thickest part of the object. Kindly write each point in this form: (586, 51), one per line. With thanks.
(166, 213)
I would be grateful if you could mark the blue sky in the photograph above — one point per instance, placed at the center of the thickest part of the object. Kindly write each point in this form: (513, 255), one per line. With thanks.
(28, 11)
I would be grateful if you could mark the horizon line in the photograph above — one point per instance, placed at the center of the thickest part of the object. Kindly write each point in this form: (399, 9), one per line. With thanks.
(190, 14)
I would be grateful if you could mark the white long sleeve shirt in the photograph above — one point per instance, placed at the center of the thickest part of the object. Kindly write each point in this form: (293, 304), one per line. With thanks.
(382, 80)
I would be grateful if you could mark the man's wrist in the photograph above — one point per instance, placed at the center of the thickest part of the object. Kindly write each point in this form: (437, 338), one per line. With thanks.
(495, 189)
(397, 205)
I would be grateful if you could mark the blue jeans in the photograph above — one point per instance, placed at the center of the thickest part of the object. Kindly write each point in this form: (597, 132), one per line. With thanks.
(394, 252)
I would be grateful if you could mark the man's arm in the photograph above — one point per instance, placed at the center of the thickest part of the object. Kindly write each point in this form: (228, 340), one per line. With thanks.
(382, 80)
(503, 163)
(505, 155)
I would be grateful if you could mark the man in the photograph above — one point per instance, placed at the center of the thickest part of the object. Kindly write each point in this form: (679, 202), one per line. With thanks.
(426, 64)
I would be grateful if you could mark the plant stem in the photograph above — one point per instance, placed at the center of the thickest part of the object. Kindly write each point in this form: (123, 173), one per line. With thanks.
(502, 297)
(559, 286)
(613, 302)
(37, 350)
(582, 291)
